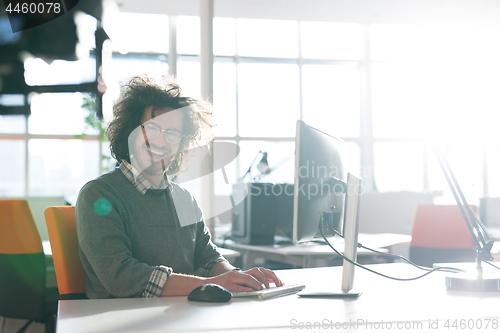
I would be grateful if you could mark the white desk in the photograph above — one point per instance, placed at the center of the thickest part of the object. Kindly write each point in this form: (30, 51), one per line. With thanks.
(384, 304)
(314, 254)
(226, 253)
(46, 248)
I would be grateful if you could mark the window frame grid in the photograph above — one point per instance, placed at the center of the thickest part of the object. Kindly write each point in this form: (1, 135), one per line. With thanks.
(365, 140)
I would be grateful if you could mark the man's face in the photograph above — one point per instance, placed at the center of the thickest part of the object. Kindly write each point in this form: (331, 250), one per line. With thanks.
(146, 151)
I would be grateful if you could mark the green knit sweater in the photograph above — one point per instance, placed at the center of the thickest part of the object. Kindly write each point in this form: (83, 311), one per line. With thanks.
(123, 235)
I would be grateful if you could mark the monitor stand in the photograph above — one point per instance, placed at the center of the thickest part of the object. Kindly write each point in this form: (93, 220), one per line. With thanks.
(351, 225)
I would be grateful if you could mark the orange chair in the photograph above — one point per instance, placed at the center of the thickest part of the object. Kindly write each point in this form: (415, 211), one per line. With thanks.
(23, 291)
(70, 274)
(440, 235)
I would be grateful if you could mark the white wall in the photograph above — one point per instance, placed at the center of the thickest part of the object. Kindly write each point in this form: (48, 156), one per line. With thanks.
(391, 212)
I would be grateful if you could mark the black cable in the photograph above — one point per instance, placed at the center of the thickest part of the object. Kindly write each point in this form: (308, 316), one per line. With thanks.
(375, 272)
(391, 255)
(489, 263)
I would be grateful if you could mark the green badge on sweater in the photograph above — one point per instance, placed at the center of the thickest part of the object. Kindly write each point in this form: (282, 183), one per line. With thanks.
(102, 207)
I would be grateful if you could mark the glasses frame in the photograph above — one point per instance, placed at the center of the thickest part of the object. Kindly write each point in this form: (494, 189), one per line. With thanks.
(182, 136)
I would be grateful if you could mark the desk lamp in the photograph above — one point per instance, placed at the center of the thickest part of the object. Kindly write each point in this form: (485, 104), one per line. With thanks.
(262, 166)
(476, 280)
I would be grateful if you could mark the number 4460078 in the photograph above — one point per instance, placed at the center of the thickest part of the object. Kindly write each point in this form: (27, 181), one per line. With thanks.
(476, 324)
(34, 8)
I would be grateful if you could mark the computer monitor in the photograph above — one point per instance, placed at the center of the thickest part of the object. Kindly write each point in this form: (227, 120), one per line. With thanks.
(319, 182)
(324, 192)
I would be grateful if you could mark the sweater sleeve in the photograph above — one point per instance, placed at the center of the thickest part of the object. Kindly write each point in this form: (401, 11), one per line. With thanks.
(206, 253)
(204, 270)
(105, 248)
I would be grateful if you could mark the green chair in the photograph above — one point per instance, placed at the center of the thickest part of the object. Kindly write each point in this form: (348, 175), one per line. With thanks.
(23, 291)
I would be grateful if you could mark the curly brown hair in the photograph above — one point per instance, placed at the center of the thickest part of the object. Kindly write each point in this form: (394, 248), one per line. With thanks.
(141, 92)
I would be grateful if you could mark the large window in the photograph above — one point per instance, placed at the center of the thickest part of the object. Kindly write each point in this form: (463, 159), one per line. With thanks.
(268, 74)
(390, 91)
(45, 154)
(416, 86)
(435, 86)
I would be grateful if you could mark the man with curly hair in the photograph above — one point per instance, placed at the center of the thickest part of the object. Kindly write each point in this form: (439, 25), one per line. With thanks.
(139, 234)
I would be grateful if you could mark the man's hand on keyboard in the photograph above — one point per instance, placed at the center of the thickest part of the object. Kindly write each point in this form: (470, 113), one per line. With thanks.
(252, 279)
(264, 276)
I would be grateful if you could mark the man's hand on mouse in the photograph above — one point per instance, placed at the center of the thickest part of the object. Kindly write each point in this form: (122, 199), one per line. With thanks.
(249, 280)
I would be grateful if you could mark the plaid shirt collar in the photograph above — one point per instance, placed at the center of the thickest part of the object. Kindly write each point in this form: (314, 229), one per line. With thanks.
(138, 180)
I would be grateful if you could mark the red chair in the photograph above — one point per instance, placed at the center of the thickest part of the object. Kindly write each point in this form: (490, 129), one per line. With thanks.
(440, 235)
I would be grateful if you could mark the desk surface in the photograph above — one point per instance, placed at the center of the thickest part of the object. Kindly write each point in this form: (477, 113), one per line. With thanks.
(314, 254)
(371, 240)
(226, 253)
(384, 304)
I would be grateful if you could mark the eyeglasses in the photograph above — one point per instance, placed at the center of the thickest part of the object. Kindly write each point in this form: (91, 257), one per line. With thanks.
(171, 135)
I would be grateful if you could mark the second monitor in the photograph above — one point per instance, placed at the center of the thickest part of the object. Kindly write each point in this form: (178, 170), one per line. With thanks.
(293, 211)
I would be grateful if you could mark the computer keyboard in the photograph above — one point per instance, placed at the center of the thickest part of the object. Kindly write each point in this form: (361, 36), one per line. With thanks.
(272, 291)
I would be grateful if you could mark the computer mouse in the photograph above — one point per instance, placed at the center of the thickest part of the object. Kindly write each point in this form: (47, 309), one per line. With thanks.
(210, 293)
